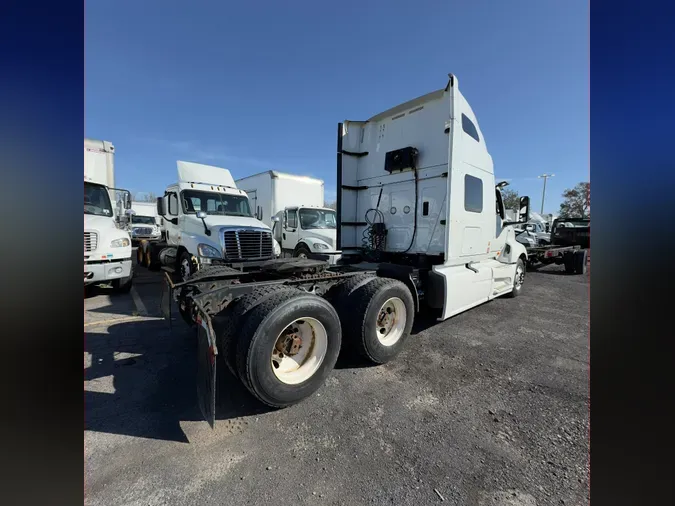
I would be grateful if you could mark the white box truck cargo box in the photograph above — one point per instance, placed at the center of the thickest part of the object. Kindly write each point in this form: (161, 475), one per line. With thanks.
(306, 228)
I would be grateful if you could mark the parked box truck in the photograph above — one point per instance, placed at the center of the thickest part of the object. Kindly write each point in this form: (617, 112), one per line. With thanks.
(294, 207)
(107, 247)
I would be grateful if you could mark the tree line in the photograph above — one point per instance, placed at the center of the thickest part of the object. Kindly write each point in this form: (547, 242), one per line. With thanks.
(576, 201)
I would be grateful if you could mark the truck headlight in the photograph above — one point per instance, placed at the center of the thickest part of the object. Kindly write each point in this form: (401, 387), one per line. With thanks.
(120, 243)
(207, 251)
(320, 246)
(277, 248)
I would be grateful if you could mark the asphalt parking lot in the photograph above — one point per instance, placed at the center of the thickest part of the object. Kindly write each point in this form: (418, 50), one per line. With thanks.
(487, 408)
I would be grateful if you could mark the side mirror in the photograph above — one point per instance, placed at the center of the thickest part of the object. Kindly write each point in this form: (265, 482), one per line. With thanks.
(524, 213)
(201, 215)
(259, 213)
(160, 206)
(127, 200)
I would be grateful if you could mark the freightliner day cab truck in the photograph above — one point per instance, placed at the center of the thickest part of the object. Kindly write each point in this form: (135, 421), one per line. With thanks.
(107, 246)
(143, 224)
(420, 221)
(207, 221)
(294, 207)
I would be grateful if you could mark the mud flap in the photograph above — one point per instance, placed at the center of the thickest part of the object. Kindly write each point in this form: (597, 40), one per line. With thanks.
(206, 368)
(165, 298)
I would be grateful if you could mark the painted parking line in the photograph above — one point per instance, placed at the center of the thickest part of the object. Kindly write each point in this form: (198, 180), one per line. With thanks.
(140, 307)
(122, 320)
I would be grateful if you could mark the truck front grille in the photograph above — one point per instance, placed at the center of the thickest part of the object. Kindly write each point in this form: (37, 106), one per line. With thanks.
(247, 245)
(90, 241)
(142, 231)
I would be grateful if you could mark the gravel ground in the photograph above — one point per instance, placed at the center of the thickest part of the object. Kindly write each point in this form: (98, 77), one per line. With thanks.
(487, 408)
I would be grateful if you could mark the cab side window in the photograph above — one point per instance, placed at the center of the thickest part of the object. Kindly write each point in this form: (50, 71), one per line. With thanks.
(292, 221)
(473, 194)
(172, 204)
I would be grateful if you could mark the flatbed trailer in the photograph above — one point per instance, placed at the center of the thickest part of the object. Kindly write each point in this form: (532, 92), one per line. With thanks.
(574, 258)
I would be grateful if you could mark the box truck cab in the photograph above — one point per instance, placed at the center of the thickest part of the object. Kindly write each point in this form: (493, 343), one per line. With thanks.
(294, 207)
(308, 232)
(144, 223)
(207, 220)
(107, 247)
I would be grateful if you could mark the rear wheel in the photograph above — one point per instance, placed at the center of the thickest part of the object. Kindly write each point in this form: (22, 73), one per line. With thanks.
(228, 324)
(377, 318)
(287, 346)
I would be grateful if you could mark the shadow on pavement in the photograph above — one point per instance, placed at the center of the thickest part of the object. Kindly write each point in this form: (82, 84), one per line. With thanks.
(153, 372)
(91, 291)
(155, 389)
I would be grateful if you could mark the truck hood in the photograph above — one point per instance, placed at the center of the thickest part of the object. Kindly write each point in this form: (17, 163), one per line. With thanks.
(107, 231)
(216, 221)
(327, 235)
(101, 223)
(194, 228)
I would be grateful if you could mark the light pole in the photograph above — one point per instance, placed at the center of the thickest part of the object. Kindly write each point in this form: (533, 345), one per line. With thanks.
(543, 195)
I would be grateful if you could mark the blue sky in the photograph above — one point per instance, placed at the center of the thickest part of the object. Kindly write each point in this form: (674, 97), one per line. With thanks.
(262, 85)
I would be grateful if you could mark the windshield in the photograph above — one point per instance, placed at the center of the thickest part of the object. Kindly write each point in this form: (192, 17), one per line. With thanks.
(96, 200)
(143, 220)
(317, 218)
(215, 203)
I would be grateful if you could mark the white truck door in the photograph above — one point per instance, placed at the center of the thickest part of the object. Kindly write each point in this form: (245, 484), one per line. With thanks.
(171, 226)
(289, 236)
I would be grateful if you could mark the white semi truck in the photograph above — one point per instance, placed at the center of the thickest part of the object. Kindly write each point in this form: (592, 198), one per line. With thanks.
(107, 247)
(294, 207)
(420, 221)
(144, 224)
(207, 221)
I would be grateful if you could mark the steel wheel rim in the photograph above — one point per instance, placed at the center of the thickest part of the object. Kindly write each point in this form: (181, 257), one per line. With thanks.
(294, 366)
(185, 268)
(520, 277)
(391, 320)
(302, 255)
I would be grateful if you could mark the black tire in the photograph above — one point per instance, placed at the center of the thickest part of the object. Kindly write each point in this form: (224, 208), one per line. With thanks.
(518, 279)
(152, 257)
(185, 260)
(359, 310)
(580, 261)
(140, 255)
(228, 324)
(302, 252)
(337, 293)
(568, 260)
(261, 327)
